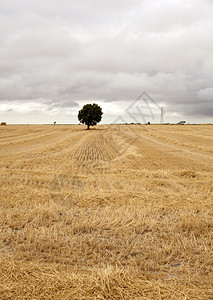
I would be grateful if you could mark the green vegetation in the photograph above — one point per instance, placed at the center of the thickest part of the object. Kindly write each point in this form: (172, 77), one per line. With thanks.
(90, 114)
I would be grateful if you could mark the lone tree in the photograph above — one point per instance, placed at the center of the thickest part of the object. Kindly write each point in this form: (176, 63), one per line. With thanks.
(90, 114)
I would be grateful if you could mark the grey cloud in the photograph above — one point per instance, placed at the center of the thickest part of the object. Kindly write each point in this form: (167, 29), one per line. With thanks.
(63, 52)
(63, 103)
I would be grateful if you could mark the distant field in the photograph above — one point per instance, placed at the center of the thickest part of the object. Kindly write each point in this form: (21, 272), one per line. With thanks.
(117, 212)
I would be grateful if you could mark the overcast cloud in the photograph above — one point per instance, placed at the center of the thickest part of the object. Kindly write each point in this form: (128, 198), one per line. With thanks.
(57, 55)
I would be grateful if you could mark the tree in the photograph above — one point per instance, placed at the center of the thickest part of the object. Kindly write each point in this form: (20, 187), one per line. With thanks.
(90, 114)
(181, 122)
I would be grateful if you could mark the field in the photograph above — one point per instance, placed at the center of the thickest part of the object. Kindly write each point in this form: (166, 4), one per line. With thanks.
(116, 212)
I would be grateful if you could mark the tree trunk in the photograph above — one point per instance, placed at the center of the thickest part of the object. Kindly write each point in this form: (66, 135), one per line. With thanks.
(87, 126)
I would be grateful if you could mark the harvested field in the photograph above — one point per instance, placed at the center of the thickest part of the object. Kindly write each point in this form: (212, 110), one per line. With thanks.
(117, 212)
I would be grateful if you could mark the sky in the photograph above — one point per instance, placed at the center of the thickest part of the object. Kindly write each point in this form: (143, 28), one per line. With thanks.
(140, 60)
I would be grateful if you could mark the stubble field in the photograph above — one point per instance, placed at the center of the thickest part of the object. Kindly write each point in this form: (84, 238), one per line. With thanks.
(117, 212)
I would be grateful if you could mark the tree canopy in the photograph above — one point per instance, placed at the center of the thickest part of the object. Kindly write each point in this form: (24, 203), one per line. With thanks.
(90, 114)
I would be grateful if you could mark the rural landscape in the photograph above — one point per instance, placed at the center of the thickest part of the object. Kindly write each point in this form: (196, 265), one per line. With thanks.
(114, 212)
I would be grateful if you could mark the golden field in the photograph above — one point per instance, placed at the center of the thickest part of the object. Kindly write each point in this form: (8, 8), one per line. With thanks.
(116, 212)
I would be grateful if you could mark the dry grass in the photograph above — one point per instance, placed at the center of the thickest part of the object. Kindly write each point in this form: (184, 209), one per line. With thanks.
(118, 212)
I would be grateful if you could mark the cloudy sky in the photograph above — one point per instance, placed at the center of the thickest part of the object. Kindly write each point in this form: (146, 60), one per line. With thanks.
(56, 55)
